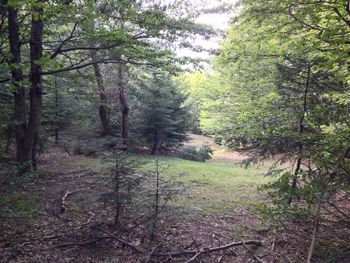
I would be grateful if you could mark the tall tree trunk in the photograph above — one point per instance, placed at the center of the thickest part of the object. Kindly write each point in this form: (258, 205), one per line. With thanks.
(103, 110)
(17, 78)
(124, 106)
(36, 50)
(26, 134)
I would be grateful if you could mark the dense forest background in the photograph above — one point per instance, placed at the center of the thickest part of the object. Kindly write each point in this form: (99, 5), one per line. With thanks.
(116, 136)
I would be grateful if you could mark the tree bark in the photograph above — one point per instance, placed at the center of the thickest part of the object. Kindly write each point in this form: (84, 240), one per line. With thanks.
(103, 110)
(124, 106)
(36, 52)
(16, 79)
(27, 134)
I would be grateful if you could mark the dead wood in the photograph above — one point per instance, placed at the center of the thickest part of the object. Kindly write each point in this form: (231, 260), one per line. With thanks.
(83, 243)
(258, 259)
(192, 259)
(210, 249)
(63, 203)
(222, 257)
(64, 198)
(125, 243)
(149, 256)
(66, 150)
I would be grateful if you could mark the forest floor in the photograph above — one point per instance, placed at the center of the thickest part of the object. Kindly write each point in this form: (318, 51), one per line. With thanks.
(58, 216)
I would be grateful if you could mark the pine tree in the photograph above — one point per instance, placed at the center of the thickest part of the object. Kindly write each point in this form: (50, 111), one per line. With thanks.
(162, 117)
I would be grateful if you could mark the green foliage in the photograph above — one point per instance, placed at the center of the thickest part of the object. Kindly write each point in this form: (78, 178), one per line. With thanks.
(160, 116)
(200, 154)
(124, 182)
(279, 85)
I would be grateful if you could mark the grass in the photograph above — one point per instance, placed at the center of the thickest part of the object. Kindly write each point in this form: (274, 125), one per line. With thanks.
(214, 186)
(218, 185)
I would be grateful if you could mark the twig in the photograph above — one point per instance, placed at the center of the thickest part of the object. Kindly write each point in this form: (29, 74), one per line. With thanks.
(192, 259)
(133, 247)
(245, 246)
(233, 252)
(77, 243)
(65, 196)
(63, 204)
(274, 241)
(149, 256)
(274, 244)
(222, 257)
(190, 245)
(258, 259)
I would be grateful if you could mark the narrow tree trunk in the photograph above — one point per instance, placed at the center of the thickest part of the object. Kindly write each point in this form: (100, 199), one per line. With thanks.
(124, 106)
(103, 110)
(8, 140)
(314, 232)
(56, 111)
(301, 129)
(156, 201)
(155, 142)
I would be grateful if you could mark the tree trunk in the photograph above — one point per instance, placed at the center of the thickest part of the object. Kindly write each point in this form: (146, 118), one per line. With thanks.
(8, 140)
(124, 106)
(155, 142)
(103, 110)
(56, 111)
(301, 129)
(26, 134)
(17, 78)
(36, 51)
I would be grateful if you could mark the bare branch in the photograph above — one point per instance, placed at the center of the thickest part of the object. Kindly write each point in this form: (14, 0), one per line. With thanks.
(71, 35)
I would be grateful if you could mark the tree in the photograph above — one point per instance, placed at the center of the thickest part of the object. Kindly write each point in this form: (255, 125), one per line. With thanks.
(63, 43)
(161, 117)
(280, 96)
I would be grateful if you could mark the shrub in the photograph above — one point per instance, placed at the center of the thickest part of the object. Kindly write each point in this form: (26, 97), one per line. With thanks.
(193, 153)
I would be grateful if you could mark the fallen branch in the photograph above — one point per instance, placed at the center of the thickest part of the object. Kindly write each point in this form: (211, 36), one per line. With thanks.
(63, 203)
(133, 247)
(83, 243)
(65, 196)
(209, 249)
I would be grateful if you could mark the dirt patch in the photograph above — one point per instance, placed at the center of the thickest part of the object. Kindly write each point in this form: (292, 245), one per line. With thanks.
(219, 153)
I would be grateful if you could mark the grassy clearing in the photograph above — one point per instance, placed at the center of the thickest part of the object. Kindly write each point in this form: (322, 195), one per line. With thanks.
(214, 186)
(217, 186)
